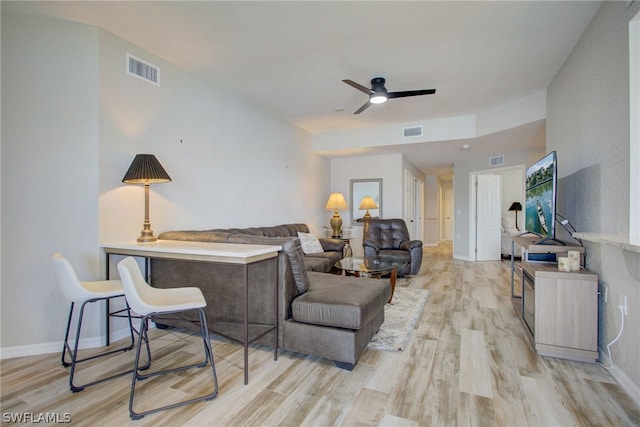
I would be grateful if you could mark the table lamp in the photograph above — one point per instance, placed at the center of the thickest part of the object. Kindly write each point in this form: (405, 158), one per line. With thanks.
(516, 207)
(336, 202)
(146, 169)
(367, 203)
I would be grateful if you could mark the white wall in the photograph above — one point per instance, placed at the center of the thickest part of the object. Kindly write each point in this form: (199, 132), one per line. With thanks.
(49, 172)
(513, 191)
(73, 121)
(231, 165)
(588, 126)
(462, 202)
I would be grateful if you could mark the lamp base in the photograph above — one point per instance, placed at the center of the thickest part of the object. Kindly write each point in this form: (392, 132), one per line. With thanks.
(336, 225)
(146, 235)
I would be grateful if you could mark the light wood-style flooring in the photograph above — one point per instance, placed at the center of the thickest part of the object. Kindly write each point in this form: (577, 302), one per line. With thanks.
(468, 363)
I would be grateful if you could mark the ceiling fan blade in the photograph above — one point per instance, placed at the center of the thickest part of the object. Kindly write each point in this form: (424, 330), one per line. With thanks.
(364, 107)
(411, 93)
(358, 86)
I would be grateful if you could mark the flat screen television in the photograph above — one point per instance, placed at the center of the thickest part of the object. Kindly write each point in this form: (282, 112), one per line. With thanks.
(540, 198)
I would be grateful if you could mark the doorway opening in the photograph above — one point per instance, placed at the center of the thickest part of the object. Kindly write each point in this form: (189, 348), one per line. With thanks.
(485, 228)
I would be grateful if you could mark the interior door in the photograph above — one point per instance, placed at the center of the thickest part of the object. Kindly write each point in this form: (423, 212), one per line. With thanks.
(419, 207)
(488, 212)
(410, 203)
(448, 210)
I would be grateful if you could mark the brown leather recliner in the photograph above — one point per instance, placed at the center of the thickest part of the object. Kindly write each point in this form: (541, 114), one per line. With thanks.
(390, 237)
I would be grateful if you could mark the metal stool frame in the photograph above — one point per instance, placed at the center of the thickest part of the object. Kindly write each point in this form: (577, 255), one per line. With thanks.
(67, 351)
(138, 375)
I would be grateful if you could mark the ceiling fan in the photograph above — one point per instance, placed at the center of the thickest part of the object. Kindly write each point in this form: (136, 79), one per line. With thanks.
(379, 94)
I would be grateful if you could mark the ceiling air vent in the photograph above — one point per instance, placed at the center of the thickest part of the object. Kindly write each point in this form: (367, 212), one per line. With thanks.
(496, 161)
(143, 70)
(412, 131)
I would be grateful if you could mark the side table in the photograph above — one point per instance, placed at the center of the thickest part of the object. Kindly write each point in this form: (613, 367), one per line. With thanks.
(346, 251)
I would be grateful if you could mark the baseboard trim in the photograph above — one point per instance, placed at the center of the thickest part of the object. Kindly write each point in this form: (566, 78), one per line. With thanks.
(621, 378)
(56, 347)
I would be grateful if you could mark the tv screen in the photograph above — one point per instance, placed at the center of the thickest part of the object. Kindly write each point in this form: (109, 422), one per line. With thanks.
(540, 197)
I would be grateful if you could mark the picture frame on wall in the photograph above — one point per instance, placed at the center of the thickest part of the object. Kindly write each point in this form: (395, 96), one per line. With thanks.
(360, 188)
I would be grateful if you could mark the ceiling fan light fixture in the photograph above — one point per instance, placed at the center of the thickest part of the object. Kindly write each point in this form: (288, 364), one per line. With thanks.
(378, 98)
(378, 94)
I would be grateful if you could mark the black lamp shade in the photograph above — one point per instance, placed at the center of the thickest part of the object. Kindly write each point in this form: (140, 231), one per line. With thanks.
(146, 169)
(515, 206)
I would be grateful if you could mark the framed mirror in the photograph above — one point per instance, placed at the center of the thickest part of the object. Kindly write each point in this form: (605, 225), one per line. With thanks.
(361, 188)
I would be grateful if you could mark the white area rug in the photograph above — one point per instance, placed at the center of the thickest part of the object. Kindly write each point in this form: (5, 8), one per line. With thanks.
(400, 316)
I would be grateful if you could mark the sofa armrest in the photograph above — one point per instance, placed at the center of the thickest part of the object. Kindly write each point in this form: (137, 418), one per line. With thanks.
(335, 245)
(407, 245)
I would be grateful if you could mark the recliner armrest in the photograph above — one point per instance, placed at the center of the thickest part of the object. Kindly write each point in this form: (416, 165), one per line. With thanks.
(407, 245)
(335, 245)
(372, 244)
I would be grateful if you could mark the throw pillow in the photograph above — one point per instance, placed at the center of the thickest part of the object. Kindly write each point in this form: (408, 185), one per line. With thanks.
(310, 243)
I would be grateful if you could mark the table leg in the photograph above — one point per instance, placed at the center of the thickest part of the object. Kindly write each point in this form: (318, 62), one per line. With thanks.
(275, 309)
(392, 280)
(246, 325)
(107, 308)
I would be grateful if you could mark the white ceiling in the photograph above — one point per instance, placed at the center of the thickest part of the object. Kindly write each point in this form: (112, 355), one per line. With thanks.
(289, 57)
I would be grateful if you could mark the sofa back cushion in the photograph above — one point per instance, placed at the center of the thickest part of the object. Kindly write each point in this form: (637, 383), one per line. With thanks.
(291, 246)
(196, 235)
(283, 230)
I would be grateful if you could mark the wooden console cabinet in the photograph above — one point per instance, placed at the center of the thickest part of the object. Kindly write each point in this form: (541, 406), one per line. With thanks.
(562, 319)
(566, 312)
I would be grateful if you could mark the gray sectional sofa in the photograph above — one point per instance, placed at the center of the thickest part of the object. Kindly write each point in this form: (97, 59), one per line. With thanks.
(320, 314)
(321, 261)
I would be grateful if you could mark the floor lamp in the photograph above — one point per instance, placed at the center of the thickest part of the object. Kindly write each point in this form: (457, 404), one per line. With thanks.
(146, 169)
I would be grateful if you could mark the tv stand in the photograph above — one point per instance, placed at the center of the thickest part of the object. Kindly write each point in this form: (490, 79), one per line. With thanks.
(530, 242)
(566, 303)
(565, 312)
(550, 241)
(543, 241)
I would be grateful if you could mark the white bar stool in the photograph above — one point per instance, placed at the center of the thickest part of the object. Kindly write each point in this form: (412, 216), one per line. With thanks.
(148, 302)
(83, 292)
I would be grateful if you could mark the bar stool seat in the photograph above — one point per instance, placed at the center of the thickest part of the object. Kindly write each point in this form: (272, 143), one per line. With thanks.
(148, 302)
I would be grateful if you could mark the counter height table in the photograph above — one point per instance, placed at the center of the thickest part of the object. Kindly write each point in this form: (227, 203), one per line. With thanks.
(225, 253)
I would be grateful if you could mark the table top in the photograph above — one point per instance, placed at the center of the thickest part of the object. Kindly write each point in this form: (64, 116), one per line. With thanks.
(531, 242)
(374, 264)
(195, 251)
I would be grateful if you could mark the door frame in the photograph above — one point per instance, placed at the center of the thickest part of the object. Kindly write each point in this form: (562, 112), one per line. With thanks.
(413, 204)
(472, 201)
(442, 220)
